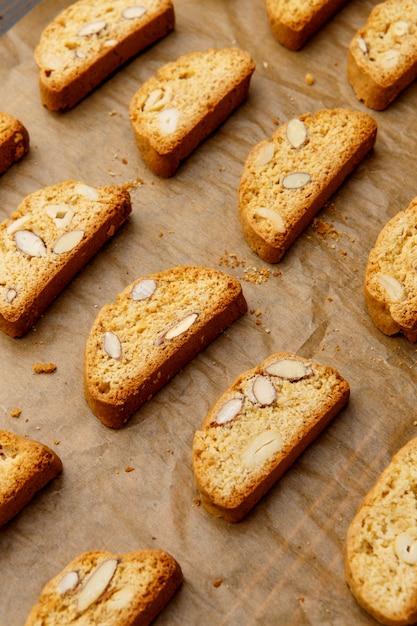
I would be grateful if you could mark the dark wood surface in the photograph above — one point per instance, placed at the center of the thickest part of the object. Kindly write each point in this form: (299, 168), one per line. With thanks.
(12, 11)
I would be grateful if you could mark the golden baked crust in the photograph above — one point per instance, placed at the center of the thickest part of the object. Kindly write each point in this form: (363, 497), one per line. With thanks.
(293, 22)
(90, 40)
(14, 141)
(175, 110)
(382, 57)
(390, 287)
(259, 426)
(52, 234)
(287, 179)
(154, 328)
(26, 466)
(124, 589)
(381, 544)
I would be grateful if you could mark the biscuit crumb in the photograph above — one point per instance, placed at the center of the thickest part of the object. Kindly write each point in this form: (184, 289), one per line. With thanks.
(57, 442)
(197, 501)
(133, 184)
(44, 368)
(324, 229)
(217, 582)
(256, 276)
(16, 412)
(309, 78)
(129, 468)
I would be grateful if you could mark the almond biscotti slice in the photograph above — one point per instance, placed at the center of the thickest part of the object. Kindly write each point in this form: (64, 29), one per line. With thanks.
(14, 141)
(175, 110)
(381, 544)
(104, 588)
(90, 40)
(287, 179)
(26, 466)
(52, 234)
(382, 57)
(154, 328)
(259, 426)
(390, 287)
(293, 22)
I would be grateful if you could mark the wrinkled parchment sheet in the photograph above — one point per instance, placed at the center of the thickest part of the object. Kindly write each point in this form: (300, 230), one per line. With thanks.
(283, 564)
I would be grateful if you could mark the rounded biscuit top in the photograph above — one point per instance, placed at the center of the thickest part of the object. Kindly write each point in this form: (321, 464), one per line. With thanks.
(170, 104)
(287, 178)
(381, 545)
(391, 277)
(101, 587)
(386, 46)
(294, 13)
(259, 423)
(142, 328)
(85, 31)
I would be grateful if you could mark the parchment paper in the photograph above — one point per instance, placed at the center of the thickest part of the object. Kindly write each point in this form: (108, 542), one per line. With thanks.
(284, 563)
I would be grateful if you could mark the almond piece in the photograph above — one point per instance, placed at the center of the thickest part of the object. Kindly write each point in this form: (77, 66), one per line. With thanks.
(178, 328)
(262, 448)
(96, 584)
(181, 326)
(29, 243)
(121, 598)
(266, 153)
(18, 224)
(406, 548)
(296, 133)
(60, 213)
(390, 59)
(273, 217)
(392, 286)
(290, 369)
(401, 28)
(362, 45)
(263, 390)
(144, 289)
(133, 12)
(11, 294)
(68, 241)
(229, 410)
(92, 28)
(112, 345)
(168, 120)
(157, 99)
(87, 191)
(296, 180)
(67, 583)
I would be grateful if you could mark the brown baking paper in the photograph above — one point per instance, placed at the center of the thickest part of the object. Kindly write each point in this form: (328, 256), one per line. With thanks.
(283, 564)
